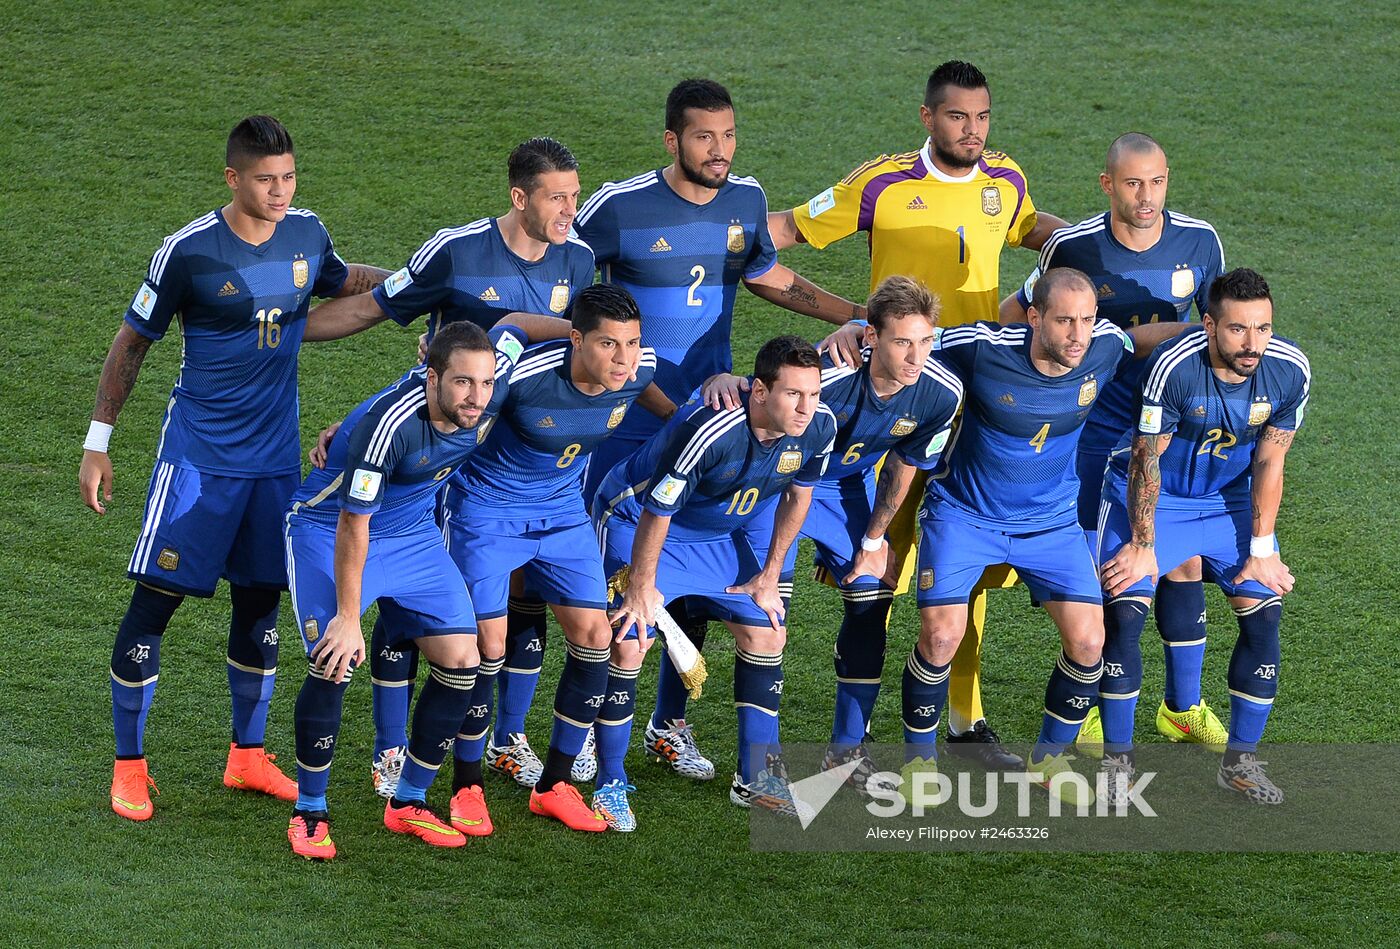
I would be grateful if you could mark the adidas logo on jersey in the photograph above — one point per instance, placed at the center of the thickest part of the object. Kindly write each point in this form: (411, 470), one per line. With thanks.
(1007, 399)
(490, 295)
(660, 247)
(917, 204)
(1199, 410)
(228, 289)
(1105, 291)
(546, 422)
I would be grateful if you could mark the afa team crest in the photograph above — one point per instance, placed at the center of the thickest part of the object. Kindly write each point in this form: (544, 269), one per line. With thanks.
(789, 461)
(736, 238)
(926, 578)
(1183, 282)
(1259, 413)
(558, 298)
(615, 419)
(312, 630)
(904, 426)
(1088, 392)
(301, 273)
(169, 558)
(991, 201)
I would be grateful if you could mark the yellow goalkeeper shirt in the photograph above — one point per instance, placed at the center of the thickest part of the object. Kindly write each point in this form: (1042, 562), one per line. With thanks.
(946, 231)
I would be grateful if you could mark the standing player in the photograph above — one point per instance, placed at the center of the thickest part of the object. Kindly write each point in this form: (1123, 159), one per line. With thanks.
(899, 399)
(240, 278)
(362, 529)
(524, 510)
(1148, 265)
(677, 512)
(1205, 478)
(681, 239)
(941, 214)
(523, 262)
(1008, 496)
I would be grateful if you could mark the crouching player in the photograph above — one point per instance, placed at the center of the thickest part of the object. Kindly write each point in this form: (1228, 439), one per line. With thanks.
(523, 508)
(677, 511)
(900, 399)
(362, 529)
(1204, 476)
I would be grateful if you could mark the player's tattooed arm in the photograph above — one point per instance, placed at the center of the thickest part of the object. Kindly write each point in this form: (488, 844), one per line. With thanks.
(1145, 487)
(891, 488)
(792, 291)
(362, 279)
(119, 373)
(1266, 489)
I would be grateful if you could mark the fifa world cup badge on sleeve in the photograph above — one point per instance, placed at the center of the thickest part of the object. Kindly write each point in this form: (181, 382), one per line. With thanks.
(668, 490)
(144, 302)
(936, 443)
(1150, 422)
(397, 281)
(365, 484)
(822, 203)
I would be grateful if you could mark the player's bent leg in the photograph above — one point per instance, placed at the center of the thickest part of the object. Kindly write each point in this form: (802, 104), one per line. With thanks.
(514, 759)
(134, 670)
(526, 627)
(318, 712)
(252, 671)
(1253, 678)
(453, 662)
(1181, 622)
(1124, 619)
(580, 694)
(925, 679)
(672, 695)
(613, 729)
(859, 660)
(1072, 688)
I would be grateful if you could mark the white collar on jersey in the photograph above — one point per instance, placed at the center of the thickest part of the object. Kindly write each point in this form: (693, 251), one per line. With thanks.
(927, 153)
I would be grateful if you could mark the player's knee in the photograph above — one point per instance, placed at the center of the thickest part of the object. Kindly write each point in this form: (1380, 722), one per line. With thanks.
(491, 639)
(593, 633)
(627, 654)
(756, 640)
(1083, 646)
(1188, 572)
(1254, 665)
(938, 642)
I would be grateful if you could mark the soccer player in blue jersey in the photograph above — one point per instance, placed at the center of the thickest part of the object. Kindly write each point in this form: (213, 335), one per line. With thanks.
(1149, 264)
(362, 529)
(240, 278)
(1008, 496)
(1202, 475)
(523, 262)
(681, 239)
(898, 398)
(523, 509)
(678, 511)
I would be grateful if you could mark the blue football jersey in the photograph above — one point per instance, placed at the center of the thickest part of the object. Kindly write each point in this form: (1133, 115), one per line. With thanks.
(683, 263)
(242, 314)
(389, 461)
(533, 465)
(710, 475)
(1011, 466)
(468, 273)
(1214, 424)
(914, 423)
(1157, 285)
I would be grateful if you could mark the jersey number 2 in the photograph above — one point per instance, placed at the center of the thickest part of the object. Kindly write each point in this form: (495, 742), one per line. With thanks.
(691, 299)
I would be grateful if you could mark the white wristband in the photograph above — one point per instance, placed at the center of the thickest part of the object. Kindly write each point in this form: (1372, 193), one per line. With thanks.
(98, 436)
(872, 544)
(1262, 546)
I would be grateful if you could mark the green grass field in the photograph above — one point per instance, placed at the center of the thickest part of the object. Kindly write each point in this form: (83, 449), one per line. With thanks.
(1274, 120)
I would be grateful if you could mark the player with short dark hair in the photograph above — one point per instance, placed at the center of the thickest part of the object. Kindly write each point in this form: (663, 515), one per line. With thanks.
(1008, 496)
(898, 399)
(1148, 264)
(681, 239)
(942, 214)
(678, 511)
(522, 263)
(1202, 475)
(523, 509)
(240, 279)
(362, 529)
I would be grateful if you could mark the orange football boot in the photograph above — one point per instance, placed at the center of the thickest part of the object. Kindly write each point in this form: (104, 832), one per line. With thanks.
(251, 769)
(130, 797)
(469, 814)
(310, 835)
(565, 804)
(415, 818)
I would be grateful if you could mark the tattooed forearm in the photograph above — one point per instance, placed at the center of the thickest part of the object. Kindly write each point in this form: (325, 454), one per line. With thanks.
(119, 373)
(796, 293)
(890, 488)
(1277, 436)
(1144, 487)
(363, 278)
